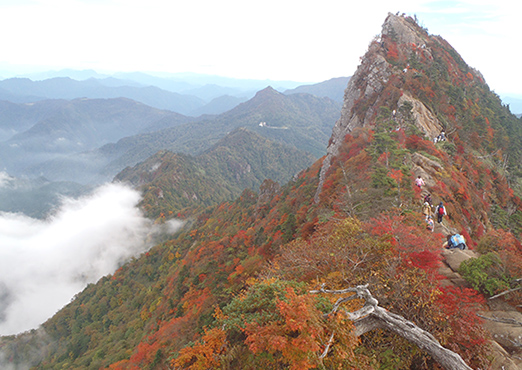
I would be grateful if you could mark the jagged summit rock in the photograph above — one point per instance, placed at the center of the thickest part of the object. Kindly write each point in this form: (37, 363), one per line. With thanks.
(401, 29)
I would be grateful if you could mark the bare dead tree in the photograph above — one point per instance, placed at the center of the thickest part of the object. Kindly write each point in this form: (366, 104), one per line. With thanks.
(371, 316)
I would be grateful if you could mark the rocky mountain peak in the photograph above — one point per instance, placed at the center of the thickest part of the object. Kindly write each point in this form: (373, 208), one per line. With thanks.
(380, 81)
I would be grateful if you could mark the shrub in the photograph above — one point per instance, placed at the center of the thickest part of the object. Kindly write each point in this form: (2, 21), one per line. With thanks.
(486, 273)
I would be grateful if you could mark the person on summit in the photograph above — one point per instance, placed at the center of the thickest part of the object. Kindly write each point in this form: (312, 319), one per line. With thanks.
(419, 182)
(441, 212)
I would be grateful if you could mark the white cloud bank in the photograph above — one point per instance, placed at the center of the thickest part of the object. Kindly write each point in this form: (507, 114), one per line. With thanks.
(43, 264)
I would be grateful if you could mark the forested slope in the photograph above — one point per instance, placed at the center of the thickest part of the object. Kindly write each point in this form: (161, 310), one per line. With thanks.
(172, 183)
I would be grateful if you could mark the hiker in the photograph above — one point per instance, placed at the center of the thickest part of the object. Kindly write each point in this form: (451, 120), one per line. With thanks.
(429, 224)
(440, 211)
(456, 241)
(440, 137)
(419, 182)
(427, 199)
(426, 209)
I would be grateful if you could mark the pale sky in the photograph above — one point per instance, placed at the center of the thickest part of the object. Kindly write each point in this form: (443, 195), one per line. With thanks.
(298, 40)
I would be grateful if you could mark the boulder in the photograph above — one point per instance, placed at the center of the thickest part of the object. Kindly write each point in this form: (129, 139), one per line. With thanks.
(501, 360)
(509, 333)
(454, 257)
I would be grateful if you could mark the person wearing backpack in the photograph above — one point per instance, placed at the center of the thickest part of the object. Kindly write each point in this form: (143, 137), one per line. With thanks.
(427, 199)
(455, 241)
(429, 224)
(441, 212)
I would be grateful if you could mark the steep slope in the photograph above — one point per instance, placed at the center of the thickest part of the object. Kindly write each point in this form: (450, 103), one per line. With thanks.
(231, 290)
(172, 182)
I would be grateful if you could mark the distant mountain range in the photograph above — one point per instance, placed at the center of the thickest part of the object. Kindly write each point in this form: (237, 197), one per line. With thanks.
(54, 137)
(514, 102)
(187, 94)
(91, 140)
(45, 130)
(299, 120)
(25, 90)
(35, 197)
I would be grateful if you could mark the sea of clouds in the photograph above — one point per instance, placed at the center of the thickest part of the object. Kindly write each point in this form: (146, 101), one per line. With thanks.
(45, 263)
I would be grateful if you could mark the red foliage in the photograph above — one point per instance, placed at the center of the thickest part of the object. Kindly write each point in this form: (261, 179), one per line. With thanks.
(460, 306)
(393, 52)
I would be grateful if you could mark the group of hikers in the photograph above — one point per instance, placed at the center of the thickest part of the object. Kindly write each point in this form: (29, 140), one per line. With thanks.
(427, 207)
(440, 212)
(453, 241)
(440, 137)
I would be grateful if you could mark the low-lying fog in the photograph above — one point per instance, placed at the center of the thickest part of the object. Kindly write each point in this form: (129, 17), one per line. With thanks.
(44, 263)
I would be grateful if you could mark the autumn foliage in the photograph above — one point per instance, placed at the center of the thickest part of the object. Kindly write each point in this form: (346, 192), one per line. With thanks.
(230, 290)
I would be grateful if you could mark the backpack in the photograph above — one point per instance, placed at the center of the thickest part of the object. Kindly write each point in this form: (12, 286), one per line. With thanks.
(441, 211)
(454, 241)
(459, 239)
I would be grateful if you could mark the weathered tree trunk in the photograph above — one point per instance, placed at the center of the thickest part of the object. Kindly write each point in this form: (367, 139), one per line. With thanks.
(371, 316)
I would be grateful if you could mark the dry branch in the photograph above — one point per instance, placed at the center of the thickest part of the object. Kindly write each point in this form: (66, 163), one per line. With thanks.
(502, 320)
(371, 316)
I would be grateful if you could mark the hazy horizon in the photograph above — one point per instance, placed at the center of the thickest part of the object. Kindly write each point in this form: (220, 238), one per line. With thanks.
(292, 41)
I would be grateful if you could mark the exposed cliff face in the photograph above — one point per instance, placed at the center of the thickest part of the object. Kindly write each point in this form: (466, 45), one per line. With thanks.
(423, 118)
(362, 98)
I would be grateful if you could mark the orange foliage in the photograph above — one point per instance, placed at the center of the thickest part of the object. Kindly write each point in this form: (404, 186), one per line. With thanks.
(205, 353)
(298, 336)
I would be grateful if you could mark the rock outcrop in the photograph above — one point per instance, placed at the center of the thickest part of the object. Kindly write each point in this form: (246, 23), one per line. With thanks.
(423, 118)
